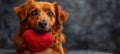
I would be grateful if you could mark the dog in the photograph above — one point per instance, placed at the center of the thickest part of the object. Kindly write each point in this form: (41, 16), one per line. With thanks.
(41, 17)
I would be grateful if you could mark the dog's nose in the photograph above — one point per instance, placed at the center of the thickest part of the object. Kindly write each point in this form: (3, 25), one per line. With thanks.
(42, 24)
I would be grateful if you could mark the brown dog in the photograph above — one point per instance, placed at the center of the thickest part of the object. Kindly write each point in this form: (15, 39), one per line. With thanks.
(41, 17)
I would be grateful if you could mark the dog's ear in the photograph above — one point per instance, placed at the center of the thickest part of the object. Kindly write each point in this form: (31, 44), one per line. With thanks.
(61, 15)
(21, 10)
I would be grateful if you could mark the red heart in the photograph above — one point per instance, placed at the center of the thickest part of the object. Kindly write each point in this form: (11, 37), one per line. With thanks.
(37, 42)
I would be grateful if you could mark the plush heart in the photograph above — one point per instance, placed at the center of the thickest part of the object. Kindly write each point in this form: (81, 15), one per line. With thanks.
(37, 42)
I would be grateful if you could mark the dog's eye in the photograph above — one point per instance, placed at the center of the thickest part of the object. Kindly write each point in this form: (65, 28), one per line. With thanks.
(50, 13)
(34, 13)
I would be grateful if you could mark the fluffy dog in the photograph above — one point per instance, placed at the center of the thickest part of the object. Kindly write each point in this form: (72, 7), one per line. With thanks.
(41, 17)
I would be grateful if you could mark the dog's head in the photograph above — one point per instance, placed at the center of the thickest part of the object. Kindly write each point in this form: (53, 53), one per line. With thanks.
(40, 16)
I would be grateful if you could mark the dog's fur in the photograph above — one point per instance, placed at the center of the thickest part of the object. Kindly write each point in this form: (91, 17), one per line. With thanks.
(30, 13)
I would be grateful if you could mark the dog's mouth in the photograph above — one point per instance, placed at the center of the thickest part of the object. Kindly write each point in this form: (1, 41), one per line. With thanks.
(41, 31)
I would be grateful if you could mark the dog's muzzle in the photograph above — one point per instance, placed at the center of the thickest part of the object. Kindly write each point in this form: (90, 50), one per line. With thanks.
(42, 24)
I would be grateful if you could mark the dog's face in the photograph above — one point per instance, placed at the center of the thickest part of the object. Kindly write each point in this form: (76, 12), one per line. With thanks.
(40, 16)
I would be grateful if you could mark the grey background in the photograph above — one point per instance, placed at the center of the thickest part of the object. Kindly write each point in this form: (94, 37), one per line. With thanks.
(92, 24)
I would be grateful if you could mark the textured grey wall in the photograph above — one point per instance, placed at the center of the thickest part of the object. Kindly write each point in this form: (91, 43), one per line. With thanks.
(92, 24)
